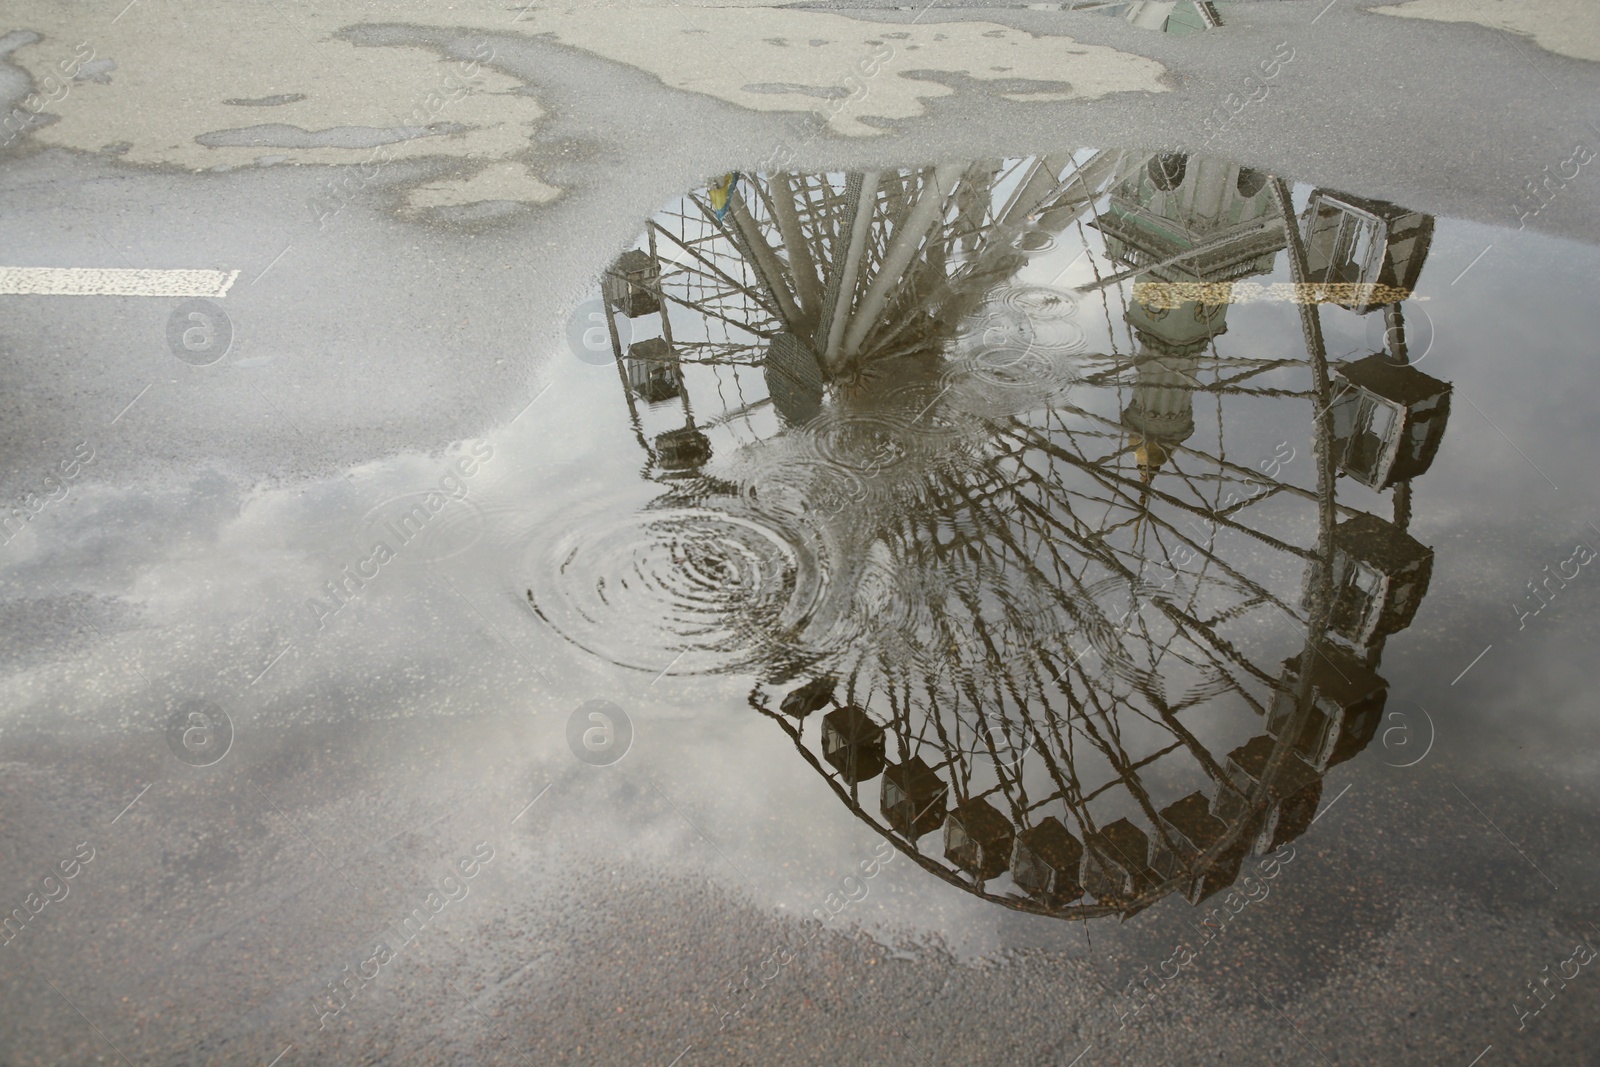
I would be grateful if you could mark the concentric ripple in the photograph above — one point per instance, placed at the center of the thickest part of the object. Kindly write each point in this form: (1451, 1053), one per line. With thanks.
(1032, 316)
(1008, 379)
(1023, 347)
(801, 491)
(681, 590)
(1033, 241)
(1114, 609)
(935, 418)
(1037, 301)
(863, 443)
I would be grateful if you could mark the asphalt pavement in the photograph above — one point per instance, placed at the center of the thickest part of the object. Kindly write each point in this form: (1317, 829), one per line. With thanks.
(402, 206)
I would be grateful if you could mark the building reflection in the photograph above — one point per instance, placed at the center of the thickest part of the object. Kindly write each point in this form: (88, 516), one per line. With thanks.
(1166, 16)
(1095, 624)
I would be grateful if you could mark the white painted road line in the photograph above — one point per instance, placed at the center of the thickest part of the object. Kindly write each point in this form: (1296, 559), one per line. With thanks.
(113, 281)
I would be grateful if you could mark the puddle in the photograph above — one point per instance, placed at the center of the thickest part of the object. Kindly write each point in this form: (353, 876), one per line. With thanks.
(1028, 499)
(970, 579)
(1075, 530)
(282, 135)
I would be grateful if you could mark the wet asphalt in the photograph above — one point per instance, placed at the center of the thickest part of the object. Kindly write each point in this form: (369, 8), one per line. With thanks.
(375, 758)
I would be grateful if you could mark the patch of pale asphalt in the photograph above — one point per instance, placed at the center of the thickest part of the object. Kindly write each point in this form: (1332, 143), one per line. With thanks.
(325, 100)
(1565, 27)
(725, 56)
(502, 181)
(164, 101)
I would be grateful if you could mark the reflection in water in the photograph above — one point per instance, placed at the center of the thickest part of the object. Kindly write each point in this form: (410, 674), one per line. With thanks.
(1047, 568)
(1167, 16)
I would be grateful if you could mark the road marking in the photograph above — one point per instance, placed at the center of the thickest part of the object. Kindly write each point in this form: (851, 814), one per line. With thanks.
(1480, 1056)
(113, 281)
(1176, 294)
